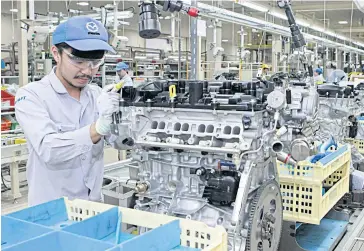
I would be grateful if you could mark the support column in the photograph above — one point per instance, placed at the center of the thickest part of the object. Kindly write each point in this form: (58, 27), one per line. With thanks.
(287, 51)
(14, 178)
(276, 52)
(23, 45)
(214, 35)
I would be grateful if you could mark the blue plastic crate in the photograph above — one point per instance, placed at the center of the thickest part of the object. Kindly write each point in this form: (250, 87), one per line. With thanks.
(62, 241)
(51, 214)
(104, 226)
(14, 231)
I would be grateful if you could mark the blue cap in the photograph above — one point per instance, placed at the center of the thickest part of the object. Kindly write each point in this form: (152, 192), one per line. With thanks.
(82, 33)
(122, 66)
(318, 70)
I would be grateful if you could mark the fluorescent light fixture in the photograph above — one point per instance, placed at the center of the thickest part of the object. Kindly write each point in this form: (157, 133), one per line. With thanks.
(279, 15)
(140, 57)
(224, 40)
(82, 3)
(13, 10)
(244, 33)
(167, 17)
(343, 22)
(123, 22)
(254, 6)
(249, 44)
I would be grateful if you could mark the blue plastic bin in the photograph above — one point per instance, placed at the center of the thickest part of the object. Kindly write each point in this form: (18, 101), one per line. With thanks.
(103, 226)
(14, 231)
(61, 241)
(50, 214)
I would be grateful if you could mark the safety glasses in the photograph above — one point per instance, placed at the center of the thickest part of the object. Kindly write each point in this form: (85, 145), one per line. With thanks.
(83, 63)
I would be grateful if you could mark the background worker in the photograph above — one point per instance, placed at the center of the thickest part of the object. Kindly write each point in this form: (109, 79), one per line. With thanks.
(317, 76)
(263, 73)
(122, 71)
(65, 119)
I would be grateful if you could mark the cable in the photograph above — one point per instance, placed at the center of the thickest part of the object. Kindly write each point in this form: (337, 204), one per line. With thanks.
(2, 179)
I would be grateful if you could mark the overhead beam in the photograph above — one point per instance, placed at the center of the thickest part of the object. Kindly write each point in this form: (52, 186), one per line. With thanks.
(353, 30)
(318, 6)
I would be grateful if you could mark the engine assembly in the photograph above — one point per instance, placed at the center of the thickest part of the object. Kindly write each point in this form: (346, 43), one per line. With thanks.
(207, 151)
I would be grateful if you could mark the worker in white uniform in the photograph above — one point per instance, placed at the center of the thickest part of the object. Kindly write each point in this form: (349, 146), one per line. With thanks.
(123, 74)
(317, 76)
(65, 119)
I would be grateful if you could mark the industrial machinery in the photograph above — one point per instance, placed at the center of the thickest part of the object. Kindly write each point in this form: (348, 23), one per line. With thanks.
(204, 154)
(207, 150)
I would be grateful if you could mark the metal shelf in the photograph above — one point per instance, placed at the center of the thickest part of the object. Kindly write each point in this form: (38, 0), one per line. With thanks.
(12, 131)
(7, 113)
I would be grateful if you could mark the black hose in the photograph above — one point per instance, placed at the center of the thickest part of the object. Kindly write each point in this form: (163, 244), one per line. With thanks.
(2, 179)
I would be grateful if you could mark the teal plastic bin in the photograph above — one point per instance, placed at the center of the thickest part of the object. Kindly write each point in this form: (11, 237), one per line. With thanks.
(61, 241)
(14, 231)
(105, 226)
(51, 214)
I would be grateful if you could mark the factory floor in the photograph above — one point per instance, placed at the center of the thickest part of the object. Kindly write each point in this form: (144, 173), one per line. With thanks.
(8, 205)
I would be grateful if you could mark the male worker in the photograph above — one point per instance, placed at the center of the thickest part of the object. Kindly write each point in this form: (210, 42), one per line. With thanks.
(122, 74)
(317, 76)
(263, 72)
(65, 120)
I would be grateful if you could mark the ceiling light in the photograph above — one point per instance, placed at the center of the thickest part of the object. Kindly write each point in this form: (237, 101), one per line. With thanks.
(167, 17)
(224, 40)
(13, 10)
(343, 22)
(82, 3)
(249, 44)
(254, 6)
(140, 57)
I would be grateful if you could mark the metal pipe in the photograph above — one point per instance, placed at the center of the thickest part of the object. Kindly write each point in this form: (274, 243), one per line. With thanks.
(187, 147)
(103, 69)
(173, 29)
(233, 17)
(115, 17)
(194, 45)
(179, 46)
(118, 163)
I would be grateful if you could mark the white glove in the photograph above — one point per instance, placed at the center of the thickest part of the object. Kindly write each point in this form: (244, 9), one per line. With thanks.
(107, 104)
(108, 101)
(102, 125)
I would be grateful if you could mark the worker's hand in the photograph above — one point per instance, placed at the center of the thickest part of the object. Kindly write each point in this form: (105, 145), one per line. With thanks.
(107, 104)
(108, 101)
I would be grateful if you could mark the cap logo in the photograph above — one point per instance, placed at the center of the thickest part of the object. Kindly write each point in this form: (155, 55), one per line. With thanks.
(92, 27)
